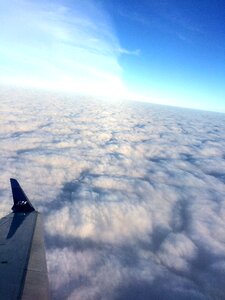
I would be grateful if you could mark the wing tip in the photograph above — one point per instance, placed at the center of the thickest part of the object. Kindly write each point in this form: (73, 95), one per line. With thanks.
(21, 201)
(14, 183)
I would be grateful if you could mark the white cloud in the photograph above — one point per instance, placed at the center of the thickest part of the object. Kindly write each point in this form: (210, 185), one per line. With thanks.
(132, 194)
(129, 52)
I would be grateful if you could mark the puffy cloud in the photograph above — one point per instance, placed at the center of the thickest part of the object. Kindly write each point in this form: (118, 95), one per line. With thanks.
(132, 194)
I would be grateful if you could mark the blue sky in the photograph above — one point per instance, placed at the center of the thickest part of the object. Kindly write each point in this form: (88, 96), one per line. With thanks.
(167, 52)
(182, 49)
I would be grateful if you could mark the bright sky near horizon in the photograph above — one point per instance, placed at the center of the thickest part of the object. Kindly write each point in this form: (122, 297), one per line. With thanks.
(167, 52)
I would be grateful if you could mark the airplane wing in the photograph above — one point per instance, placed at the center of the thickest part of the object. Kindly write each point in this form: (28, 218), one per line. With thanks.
(23, 270)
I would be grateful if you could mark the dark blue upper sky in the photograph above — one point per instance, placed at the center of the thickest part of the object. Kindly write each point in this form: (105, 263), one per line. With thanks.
(170, 52)
(182, 48)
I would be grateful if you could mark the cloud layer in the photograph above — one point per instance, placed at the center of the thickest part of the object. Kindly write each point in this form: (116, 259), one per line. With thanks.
(132, 194)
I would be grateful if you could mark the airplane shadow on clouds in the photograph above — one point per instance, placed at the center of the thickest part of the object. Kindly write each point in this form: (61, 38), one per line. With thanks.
(166, 283)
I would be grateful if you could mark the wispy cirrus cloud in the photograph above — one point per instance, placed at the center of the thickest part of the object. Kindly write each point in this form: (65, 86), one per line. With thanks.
(135, 52)
(64, 45)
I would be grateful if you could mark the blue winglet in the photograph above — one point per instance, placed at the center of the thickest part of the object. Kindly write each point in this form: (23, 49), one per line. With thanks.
(21, 202)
